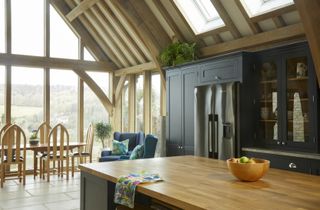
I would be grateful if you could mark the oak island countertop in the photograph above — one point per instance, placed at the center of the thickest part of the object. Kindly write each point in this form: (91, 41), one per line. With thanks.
(200, 183)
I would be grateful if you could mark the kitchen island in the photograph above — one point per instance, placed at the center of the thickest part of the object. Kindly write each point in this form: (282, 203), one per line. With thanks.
(199, 183)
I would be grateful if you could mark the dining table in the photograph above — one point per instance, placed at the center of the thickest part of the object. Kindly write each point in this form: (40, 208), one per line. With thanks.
(43, 147)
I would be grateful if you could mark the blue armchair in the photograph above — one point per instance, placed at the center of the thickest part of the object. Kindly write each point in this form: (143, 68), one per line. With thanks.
(134, 140)
(150, 145)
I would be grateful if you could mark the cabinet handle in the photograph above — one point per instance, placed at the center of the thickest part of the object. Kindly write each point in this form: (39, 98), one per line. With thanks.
(217, 78)
(278, 142)
(292, 165)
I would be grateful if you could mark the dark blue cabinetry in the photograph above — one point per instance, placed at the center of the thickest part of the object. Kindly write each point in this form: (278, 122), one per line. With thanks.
(181, 82)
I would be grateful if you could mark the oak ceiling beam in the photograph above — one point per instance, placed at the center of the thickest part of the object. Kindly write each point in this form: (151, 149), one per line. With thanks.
(57, 63)
(119, 87)
(97, 90)
(139, 24)
(269, 37)
(226, 18)
(129, 28)
(279, 21)
(96, 36)
(63, 9)
(309, 13)
(165, 14)
(136, 69)
(81, 8)
(121, 31)
(274, 13)
(255, 28)
(216, 31)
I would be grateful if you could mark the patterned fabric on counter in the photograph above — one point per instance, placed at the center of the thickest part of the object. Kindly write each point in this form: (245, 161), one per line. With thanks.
(126, 187)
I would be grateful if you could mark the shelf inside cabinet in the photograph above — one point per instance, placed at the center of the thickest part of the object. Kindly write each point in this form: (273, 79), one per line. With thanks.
(297, 78)
(268, 81)
(269, 121)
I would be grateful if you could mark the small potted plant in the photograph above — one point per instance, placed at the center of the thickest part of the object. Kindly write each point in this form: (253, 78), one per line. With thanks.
(103, 132)
(33, 140)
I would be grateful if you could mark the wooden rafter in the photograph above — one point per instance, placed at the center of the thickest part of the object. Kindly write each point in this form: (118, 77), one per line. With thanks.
(116, 39)
(255, 28)
(145, 34)
(277, 35)
(136, 69)
(118, 89)
(80, 8)
(121, 31)
(104, 35)
(217, 38)
(279, 21)
(164, 13)
(213, 32)
(226, 18)
(86, 37)
(97, 90)
(274, 13)
(59, 63)
(309, 13)
(96, 36)
(130, 29)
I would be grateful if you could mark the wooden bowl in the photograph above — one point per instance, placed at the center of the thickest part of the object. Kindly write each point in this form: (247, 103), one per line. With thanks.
(249, 172)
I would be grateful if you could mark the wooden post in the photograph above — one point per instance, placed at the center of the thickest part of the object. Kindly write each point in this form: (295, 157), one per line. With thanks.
(147, 102)
(309, 13)
(8, 67)
(132, 102)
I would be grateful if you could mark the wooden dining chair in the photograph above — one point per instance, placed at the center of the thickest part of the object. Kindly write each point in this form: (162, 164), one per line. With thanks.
(57, 150)
(2, 130)
(13, 152)
(43, 134)
(87, 151)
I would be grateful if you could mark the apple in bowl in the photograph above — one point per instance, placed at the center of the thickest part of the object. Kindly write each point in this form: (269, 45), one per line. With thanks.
(248, 169)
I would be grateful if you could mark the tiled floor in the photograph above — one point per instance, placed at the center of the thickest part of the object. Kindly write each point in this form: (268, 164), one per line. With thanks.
(59, 194)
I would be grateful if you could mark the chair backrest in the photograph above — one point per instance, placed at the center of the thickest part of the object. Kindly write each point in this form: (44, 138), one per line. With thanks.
(43, 132)
(15, 141)
(3, 129)
(59, 141)
(150, 145)
(89, 139)
(134, 138)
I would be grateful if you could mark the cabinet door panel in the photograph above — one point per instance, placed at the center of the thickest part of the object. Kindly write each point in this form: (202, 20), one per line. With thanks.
(188, 82)
(174, 125)
(221, 71)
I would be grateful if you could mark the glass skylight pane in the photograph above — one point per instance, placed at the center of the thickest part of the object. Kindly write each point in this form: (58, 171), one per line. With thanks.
(200, 14)
(258, 7)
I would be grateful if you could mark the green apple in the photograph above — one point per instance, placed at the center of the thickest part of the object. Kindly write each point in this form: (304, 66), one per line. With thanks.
(244, 159)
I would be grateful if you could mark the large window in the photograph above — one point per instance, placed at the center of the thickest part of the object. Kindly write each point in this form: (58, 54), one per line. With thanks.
(94, 112)
(2, 80)
(27, 101)
(258, 7)
(27, 98)
(63, 42)
(155, 104)
(27, 27)
(102, 80)
(2, 27)
(200, 14)
(125, 107)
(139, 103)
(64, 100)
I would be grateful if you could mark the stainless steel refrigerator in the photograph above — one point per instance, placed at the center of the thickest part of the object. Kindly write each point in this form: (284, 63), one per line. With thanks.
(215, 121)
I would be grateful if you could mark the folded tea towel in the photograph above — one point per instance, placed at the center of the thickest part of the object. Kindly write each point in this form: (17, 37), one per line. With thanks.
(126, 187)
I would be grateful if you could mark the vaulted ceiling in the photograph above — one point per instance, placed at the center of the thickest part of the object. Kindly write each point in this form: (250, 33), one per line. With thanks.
(130, 34)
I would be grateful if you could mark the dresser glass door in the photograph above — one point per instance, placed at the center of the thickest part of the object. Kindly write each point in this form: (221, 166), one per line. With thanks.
(269, 125)
(297, 100)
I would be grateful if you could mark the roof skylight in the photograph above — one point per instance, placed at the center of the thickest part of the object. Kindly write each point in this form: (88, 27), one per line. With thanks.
(200, 14)
(258, 7)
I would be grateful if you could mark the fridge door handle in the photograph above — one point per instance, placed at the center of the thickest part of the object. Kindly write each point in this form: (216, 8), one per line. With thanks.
(210, 136)
(216, 136)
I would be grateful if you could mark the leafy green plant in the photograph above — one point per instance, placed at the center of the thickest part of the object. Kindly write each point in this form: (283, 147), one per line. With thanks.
(178, 53)
(103, 131)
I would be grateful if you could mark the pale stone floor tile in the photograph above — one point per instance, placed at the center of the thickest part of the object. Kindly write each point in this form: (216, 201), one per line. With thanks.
(38, 194)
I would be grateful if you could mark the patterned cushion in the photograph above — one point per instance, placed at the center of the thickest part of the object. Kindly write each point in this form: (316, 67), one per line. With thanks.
(120, 148)
(137, 152)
